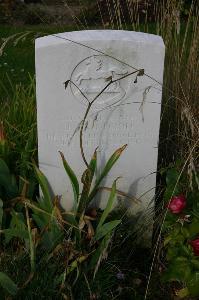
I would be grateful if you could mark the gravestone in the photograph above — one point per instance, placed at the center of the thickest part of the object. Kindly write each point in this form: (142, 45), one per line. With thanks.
(127, 112)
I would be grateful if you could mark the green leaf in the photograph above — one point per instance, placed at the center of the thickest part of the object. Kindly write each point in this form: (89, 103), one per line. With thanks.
(19, 233)
(75, 263)
(43, 182)
(73, 179)
(172, 177)
(193, 228)
(112, 160)
(105, 229)
(97, 254)
(178, 270)
(3, 167)
(17, 227)
(8, 182)
(167, 240)
(109, 205)
(52, 233)
(193, 285)
(195, 263)
(8, 284)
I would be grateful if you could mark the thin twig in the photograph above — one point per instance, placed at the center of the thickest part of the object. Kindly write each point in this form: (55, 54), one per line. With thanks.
(93, 101)
(81, 135)
(79, 90)
(103, 53)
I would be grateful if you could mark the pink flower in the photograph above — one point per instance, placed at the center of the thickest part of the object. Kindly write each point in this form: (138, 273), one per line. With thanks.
(177, 204)
(195, 246)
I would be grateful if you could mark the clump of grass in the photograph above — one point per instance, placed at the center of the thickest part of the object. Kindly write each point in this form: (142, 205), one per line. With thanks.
(180, 123)
(18, 117)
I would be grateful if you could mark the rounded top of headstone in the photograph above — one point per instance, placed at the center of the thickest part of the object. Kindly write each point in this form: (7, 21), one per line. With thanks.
(86, 35)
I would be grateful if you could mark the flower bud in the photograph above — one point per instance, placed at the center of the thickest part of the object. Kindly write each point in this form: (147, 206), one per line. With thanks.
(177, 204)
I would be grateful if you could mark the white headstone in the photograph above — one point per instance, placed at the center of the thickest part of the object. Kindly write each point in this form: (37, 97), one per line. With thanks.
(126, 113)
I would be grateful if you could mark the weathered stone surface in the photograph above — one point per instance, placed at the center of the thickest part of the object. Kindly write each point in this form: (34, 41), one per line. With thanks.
(128, 112)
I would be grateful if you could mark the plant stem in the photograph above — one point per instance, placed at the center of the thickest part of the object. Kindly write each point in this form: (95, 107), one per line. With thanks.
(89, 107)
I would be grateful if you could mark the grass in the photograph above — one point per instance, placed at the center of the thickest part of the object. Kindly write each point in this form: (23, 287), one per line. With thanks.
(19, 125)
(17, 60)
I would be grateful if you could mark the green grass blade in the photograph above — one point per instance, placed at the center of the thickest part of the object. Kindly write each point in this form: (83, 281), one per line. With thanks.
(112, 160)
(8, 284)
(105, 229)
(97, 254)
(75, 263)
(109, 205)
(45, 189)
(73, 179)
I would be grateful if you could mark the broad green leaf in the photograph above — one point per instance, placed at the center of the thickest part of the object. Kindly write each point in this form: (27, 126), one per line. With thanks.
(1, 212)
(112, 160)
(87, 181)
(73, 179)
(45, 189)
(109, 205)
(105, 229)
(8, 284)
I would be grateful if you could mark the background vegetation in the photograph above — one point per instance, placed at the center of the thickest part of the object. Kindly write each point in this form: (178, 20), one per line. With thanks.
(130, 272)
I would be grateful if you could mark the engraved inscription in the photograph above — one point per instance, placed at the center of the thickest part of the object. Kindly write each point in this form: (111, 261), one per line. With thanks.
(113, 133)
(114, 139)
(93, 73)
